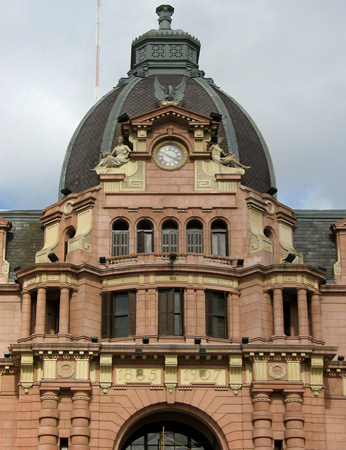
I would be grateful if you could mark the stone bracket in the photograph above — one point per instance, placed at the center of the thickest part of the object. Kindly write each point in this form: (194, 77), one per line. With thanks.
(235, 373)
(171, 372)
(106, 371)
(27, 371)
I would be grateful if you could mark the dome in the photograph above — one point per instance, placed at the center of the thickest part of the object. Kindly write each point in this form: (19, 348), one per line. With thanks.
(164, 59)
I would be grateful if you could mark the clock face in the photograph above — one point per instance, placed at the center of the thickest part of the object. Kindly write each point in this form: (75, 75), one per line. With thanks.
(169, 156)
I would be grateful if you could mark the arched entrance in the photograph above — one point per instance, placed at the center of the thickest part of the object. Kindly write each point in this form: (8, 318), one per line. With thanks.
(172, 428)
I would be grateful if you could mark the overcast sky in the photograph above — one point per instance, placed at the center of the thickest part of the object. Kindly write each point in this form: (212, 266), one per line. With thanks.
(282, 60)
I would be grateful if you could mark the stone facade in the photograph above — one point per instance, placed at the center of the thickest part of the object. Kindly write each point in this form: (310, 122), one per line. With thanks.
(169, 305)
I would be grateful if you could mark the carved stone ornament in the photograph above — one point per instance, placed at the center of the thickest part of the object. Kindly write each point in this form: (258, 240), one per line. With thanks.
(219, 156)
(261, 399)
(68, 207)
(119, 156)
(273, 373)
(169, 97)
(66, 370)
(293, 399)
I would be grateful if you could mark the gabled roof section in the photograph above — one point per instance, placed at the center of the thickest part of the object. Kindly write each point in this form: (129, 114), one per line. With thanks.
(171, 111)
(339, 225)
(5, 224)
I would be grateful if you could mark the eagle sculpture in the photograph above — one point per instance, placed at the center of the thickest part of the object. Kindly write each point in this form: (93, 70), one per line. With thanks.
(168, 97)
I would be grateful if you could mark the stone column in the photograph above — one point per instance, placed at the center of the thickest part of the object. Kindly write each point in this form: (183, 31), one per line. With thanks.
(64, 312)
(278, 310)
(262, 434)
(80, 419)
(26, 314)
(49, 418)
(235, 317)
(316, 316)
(41, 311)
(303, 320)
(294, 421)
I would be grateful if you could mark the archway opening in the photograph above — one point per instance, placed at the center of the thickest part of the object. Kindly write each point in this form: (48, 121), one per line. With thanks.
(170, 430)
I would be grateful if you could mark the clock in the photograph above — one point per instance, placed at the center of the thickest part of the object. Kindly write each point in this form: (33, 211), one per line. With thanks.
(170, 155)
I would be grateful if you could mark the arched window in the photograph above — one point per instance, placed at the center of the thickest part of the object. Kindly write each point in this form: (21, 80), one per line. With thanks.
(170, 236)
(219, 238)
(70, 233)
(145, 241)
(194, 237)
(120, 235)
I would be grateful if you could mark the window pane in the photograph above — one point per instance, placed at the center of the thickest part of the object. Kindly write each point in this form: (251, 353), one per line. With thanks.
(181, 438)
(219, 305)
(121, 304)
(177, 302)
(219, 327)
(178, 329)
(153, 438)
(148, 242)
(121, 326)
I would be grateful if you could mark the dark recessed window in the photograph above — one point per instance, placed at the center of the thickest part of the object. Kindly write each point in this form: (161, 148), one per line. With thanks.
(216, 314)
(219, 238)
(290, 314)
(145, 241)
(171, 309)
(170, 236)
(194, 237)
(120, 238)
(118, 314)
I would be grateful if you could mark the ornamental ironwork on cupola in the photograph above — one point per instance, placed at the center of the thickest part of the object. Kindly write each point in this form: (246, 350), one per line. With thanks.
(165, 50)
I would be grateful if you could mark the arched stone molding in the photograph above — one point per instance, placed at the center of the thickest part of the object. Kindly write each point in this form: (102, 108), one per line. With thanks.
(178, 411)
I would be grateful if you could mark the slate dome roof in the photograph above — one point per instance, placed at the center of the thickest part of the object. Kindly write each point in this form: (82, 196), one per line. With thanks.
(168, 56)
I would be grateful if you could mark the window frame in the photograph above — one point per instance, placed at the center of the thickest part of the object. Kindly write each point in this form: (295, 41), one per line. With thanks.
(210, 314)
(120, 239)
(219, 233)
(109, 314)
(170, 321)
(141, 237)
(170, 237)
(194, 237)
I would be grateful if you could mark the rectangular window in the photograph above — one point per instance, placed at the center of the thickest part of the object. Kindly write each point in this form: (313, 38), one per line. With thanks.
(120, 243)
(52, 316)
(170, 241)
(118, 314)
(290, 314)
(171, 312)
(194, 241)
(33, 312)
(63, 444)
(278, 445)
(216, 314)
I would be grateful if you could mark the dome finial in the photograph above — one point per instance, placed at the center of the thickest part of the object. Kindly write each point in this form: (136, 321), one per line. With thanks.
(165, 13)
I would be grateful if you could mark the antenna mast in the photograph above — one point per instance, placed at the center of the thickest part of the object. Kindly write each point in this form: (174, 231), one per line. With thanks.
(97, 78)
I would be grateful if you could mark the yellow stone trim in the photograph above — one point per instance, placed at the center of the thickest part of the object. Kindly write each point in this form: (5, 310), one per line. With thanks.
(165, 278)
(151, 375)
(260, 371)
(219, 281)
(171, 372)
(207, 376)
(294, 371)
(117, 281)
